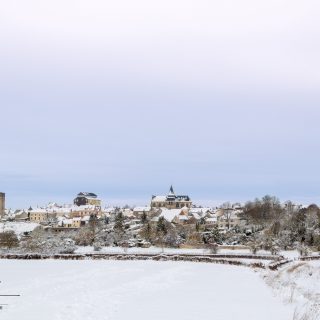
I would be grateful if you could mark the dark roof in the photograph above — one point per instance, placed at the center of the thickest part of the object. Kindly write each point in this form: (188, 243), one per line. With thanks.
(87, 194)
(177, 198)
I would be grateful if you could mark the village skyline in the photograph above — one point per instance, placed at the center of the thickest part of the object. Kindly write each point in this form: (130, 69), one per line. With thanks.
(106, 201)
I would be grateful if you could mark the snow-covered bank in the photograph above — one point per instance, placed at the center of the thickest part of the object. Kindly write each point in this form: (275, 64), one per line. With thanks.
(157, 250)
(298, 284)
(18, 227)
(118, 290)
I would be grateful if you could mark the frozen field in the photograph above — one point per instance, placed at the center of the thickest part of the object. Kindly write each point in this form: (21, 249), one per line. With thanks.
(135, 290)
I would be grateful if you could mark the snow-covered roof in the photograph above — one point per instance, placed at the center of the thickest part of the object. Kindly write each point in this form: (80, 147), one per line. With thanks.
(141, 209)
(196, 215)
(183, 217)
(200, 211)
(159, 198)
(64, 221)
(213, 219)
(232, 215)
(38, 210)
(83, 208)
(169, 214)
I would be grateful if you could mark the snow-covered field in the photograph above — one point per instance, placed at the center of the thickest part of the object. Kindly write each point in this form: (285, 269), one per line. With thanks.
(121, 290)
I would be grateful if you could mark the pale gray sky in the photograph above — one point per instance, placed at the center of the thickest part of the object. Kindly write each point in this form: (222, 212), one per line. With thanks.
(123, 98)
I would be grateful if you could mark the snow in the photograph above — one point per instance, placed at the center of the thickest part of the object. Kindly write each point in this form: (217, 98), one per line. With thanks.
(159, 198)
(298, 284)
(291, 255)
(169, 214)
(142, 209)
(144, 290)
(18, 227)
(157, 250)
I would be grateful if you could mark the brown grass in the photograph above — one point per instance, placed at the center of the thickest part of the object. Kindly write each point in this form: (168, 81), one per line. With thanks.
(295, 267)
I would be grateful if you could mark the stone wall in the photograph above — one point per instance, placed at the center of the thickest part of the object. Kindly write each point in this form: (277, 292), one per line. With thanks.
(218, 259)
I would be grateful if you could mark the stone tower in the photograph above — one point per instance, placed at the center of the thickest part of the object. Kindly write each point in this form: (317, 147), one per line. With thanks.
(2, 203)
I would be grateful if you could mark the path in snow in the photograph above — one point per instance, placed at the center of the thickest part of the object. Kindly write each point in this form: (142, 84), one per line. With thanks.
(121, 290)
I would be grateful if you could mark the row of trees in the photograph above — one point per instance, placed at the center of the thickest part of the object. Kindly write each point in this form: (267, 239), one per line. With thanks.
(287, 225)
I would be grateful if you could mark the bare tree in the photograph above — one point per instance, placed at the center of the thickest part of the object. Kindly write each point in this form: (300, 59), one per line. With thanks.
(9, 239)
(227, 212)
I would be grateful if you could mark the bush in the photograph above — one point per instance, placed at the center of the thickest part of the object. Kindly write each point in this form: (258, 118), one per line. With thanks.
(67, 246)
(303, 250)
(213, 248)
(9, 239)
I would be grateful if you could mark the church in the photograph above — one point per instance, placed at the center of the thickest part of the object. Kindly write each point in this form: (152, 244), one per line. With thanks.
(171, 201)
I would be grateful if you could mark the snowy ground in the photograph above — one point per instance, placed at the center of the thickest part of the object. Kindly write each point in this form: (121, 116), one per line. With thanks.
(121, 290)
(18, 227)
(299, 284)
(157, 250)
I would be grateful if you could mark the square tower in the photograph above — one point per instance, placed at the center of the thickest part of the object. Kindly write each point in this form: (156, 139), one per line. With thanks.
(2, 203)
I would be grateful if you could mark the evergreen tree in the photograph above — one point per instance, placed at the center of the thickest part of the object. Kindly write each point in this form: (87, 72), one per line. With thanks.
(161, 226)
(119, 222)
(147, 232)
(144, 218)
(215, 235)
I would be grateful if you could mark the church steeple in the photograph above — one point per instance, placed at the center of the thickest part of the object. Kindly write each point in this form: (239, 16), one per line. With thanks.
(171, 195)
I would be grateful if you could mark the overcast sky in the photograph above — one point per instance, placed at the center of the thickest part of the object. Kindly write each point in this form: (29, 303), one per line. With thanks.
(123, 98)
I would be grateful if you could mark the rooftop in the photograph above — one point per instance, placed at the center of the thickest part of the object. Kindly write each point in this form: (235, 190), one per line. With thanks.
(87, 194)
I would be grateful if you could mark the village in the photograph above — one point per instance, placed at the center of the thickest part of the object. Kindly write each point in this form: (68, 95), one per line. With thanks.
(176, 209)
(170, 220)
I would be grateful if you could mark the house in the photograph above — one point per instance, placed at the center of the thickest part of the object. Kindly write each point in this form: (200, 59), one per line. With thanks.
(21, 215)
(128, 213)
(84, 210)
(109, 211)
(139, 211)
(177, 216)
(47, 214)
(40, 215)
(200, 212)
(74, 223)
(230, 220)
(183, 217)
(171, 201)
(87, 198)
(210, 221)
